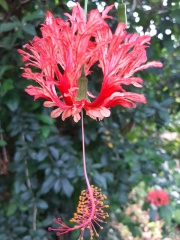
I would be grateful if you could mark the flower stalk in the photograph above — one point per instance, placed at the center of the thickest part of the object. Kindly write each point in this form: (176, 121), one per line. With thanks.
(122, 17)
(91, 208)
(84, 157)
(85, 7)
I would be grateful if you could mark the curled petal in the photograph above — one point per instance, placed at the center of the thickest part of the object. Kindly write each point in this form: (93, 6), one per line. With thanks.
(66, 114)
(126, 99)
(105, 112)
(37, 92)
(77, 117)
(134, 81)
(69, 48)
(99, 113)
(149, 64)
(49, 104)
(49, 18)
(56, 113)
(107, 9)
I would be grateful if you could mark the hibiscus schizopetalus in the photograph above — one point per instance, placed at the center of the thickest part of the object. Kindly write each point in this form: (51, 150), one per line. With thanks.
(62, 57)
(158, 197)
(88, 213)
(65, 53)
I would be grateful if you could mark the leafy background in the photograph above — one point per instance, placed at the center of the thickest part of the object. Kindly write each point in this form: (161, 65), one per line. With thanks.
(40, 158)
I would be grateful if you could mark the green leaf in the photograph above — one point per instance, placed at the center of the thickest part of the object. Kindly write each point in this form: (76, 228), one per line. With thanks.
(9, 41)
(6, 27)
(39, 234)
(4, 5)
(165, 212)
(32, 16)
(48, 184)
(12, 101)
(6, 86)
(123, 198)
(12, 207)
(3, 143)
(42, 154)
(30, 29)
(177, 215)
(67, 187)
(20, 229)
(42, 204)
(166, 102)
(4, 236)
(54, 151)
(45, 119)
(135, 177)
(5, 68)
(27, 237)
(109, 176)
(100, 180)
(175, 14)
(58, 185)
(26, 195)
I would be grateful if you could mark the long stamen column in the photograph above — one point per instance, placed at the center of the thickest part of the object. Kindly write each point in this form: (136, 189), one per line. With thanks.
(91, 208)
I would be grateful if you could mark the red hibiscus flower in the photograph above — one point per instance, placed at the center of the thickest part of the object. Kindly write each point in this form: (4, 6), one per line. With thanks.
(158, 197)
(68, 49)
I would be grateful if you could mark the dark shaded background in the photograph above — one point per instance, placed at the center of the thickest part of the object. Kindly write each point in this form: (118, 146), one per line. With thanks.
(40, 158)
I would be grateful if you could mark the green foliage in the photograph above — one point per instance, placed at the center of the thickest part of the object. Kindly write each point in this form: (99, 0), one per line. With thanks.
(40, 158)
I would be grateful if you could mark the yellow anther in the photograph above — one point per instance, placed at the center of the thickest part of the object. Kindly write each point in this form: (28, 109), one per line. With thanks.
(106, 206)
(107, 132)
(97, 235)
(101, 228)
(75, 226)
(108, 138)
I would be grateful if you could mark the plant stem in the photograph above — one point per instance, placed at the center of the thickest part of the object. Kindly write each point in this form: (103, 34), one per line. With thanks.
(85, 169)
(84, 153)
(28, 182)
(85, 7)
(5, 160)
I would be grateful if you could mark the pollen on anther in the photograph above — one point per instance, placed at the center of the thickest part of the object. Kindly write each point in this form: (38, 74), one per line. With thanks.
(90, 212)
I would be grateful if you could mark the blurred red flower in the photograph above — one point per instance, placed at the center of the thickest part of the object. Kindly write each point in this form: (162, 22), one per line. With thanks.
(66, 52)
(158, 197)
